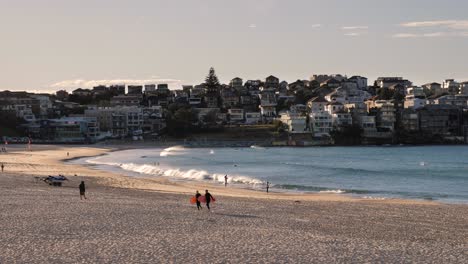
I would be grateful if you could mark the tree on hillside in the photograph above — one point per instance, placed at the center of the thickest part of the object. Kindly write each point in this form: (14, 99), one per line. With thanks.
(211, 81)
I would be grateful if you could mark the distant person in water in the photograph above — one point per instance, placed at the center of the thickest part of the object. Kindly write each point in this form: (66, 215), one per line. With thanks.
(268, 186)
(197, 195)
(225, 180)
(82, 190)
(208, 198)
(3, 166)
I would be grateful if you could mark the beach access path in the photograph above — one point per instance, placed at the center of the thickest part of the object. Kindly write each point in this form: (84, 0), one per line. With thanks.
(126, 220)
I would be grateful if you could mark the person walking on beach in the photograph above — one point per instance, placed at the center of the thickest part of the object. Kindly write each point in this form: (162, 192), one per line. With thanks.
(225, 180)
(68, 154)
(208, 198)
(268, 186)
(82, 190)
(3, 166)
(197, 195)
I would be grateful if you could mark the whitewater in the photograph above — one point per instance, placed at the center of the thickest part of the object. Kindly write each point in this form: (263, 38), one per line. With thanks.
(428, 172)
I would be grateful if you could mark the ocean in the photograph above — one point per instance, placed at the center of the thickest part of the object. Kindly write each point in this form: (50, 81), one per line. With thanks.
(423, 172)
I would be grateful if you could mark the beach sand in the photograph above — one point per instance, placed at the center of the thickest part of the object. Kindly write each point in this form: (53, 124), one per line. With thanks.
(138, 220)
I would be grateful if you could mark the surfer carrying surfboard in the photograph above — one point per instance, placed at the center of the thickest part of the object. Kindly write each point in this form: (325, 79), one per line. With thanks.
(208, 199)
(197, 195)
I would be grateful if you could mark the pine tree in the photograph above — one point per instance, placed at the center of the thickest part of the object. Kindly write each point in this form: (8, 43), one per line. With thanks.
(211, 81)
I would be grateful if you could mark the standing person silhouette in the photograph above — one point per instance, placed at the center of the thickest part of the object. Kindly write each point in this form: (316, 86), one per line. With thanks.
(197, 195)
(225, 180)
(82, 190)
(3, 166)
(268, 186)
(208, 198)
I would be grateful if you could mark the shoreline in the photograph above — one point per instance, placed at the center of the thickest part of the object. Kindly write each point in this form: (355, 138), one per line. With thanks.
(159, 184)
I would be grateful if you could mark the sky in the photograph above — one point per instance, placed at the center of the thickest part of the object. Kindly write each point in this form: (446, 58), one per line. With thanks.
(47, 45)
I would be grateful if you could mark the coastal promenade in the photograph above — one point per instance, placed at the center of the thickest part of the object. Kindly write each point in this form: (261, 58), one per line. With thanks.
(138, 220)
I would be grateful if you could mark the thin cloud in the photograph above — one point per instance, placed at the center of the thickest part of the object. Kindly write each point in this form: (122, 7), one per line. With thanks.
(405, 35)
(316, 25)
(353, 34)
(451, 24)
(431, 35)
(80, 83)
(354, 27)
(252, 26)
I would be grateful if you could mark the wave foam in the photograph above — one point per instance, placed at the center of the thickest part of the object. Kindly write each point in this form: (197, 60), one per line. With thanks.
(332, 191)
(199, 175)
(171, 151)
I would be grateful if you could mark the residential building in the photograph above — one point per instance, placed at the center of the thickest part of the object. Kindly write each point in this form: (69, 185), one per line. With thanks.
(442, 120)
(341, 119)
(386, 82)
(451, 86)
(236, 115)
(317, 104)
(409, 120)
(229, 98)
(334, 107)
(271, 82)
(464, 88)
(321, 123)
(61, 95)
(435, 88)
(414, 102)
(150, 88)
(361, 82)
(103, 116)
(153, 121)
(72, 129)
(385, 113)
(268, 106)
(82, 92)
(127, 121)
(126, 100)
(100, 89)
(458, 100)
(295, 123)
(135, 89)
(253, 117)
(236, 83)
(368, 123)
(117, 89)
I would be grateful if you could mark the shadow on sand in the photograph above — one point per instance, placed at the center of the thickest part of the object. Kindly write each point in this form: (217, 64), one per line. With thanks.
(238, 215)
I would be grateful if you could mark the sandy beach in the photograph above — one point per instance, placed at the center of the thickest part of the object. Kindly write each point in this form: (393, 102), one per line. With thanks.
(140, 220)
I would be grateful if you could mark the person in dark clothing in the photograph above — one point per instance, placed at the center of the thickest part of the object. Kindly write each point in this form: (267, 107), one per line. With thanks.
(3, 166)
(268, 186)
(197, 195)
(225, 180)
(82, 190)
(208, 198)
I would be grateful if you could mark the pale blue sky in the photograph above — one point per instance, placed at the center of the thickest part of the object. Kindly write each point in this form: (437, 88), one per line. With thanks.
(52, 44)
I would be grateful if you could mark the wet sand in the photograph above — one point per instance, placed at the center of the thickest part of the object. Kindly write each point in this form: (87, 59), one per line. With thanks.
(128, 220)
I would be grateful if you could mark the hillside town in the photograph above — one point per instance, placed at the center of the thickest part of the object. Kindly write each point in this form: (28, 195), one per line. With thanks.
(325, 109)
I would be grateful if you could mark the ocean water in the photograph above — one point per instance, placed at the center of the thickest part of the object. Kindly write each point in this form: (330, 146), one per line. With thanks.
(427, 172)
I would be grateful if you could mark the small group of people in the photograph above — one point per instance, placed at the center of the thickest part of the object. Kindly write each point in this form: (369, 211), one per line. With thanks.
(208, 198)
(4, 149)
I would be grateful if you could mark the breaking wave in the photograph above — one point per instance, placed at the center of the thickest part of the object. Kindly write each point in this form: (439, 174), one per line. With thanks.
(198, 175)
(172, 151)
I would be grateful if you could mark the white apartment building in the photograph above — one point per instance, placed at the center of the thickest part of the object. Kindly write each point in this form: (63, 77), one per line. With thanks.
(321, 123)
(295, 123)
